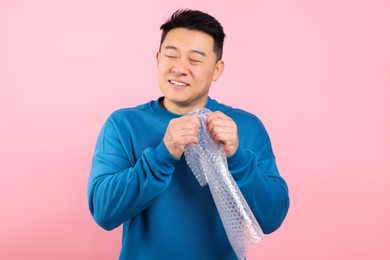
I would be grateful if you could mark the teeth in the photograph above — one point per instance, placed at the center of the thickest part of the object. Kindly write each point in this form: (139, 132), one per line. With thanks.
(178, 83)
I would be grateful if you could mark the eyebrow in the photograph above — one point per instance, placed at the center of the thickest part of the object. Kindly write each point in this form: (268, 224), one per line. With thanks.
(171, 47)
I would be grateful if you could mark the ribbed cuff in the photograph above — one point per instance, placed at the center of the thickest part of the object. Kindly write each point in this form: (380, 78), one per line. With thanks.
(163, 157)
(237, 159)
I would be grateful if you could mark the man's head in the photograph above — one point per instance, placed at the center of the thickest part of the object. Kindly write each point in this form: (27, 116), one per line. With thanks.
(189, 60)
(196, 20)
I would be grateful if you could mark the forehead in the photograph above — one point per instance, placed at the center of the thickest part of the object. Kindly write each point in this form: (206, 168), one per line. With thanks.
(185, 39)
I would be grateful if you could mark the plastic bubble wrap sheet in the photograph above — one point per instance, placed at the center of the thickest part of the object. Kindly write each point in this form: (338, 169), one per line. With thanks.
(207, 161)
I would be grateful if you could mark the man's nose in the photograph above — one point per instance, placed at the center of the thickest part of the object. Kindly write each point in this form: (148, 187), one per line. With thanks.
(180, 68)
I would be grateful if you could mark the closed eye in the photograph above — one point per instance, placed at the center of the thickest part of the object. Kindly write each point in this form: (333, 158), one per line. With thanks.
(195, 61)
(171, 56)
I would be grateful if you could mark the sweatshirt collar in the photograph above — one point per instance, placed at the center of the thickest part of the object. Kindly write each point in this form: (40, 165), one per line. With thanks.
(161, 111)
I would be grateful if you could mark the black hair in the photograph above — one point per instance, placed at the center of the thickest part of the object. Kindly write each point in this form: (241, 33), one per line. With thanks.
(196, 20)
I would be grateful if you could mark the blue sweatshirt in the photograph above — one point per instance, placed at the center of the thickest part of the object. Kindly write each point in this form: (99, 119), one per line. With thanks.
(165, 213)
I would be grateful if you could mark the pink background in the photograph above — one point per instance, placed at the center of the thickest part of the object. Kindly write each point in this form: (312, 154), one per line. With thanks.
(316, 72)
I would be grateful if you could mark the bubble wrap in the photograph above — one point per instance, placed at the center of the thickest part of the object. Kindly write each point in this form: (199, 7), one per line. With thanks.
(207, 161)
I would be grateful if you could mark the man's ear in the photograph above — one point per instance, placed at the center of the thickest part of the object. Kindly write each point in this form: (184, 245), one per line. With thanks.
(157, 57)
(219, 67)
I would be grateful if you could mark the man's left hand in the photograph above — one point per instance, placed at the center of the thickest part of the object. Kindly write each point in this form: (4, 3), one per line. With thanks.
(224, 130)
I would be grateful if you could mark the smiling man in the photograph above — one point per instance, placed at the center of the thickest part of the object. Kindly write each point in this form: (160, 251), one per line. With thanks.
(139, 177)
(187, 65)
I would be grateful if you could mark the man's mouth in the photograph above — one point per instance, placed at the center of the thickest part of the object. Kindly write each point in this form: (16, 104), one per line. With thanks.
(178, 83)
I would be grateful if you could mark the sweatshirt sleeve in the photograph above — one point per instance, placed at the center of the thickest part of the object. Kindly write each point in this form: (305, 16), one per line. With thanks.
(118, 190)
(254, 169)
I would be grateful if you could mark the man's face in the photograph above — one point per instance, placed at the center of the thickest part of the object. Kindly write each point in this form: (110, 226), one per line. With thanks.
(187, 65)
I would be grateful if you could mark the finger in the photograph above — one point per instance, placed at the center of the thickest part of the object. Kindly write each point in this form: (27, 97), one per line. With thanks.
(224, 126)
(219, 119)
(187, 122)
(183, 132)
(194, 120)
(221, 134)
(189, 139)
(216, 115)
(188, 132)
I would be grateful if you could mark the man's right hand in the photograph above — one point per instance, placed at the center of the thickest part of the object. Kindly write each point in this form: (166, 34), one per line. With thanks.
(180, 132)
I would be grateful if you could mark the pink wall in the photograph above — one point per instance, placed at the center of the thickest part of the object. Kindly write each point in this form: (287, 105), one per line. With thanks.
(316, 72)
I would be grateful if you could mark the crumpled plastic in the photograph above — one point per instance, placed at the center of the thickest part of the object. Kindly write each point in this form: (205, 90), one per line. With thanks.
(208, 162)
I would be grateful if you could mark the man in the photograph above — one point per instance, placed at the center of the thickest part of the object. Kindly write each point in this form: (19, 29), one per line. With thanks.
(139, 177)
